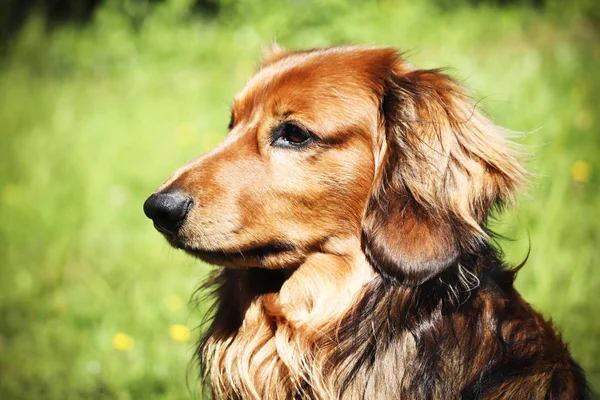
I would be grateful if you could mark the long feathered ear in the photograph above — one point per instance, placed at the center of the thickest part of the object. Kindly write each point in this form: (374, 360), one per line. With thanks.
(443, 165)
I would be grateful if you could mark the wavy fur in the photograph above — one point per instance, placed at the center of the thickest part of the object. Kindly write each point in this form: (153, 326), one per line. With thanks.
(358, 264)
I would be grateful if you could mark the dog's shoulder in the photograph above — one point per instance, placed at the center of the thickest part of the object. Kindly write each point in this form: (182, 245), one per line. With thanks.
(517, 345)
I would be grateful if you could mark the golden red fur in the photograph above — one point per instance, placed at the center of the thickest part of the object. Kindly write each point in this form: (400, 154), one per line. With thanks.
(348, 208)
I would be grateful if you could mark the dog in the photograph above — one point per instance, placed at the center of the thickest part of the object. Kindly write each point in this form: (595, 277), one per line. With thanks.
(347, 209)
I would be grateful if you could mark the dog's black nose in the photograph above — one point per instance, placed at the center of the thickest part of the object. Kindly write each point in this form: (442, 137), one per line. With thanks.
(167, 210)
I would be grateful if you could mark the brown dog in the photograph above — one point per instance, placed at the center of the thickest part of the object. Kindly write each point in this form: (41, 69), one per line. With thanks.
(348, 207)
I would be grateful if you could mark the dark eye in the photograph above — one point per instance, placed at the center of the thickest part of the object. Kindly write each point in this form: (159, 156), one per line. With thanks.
(291, 135)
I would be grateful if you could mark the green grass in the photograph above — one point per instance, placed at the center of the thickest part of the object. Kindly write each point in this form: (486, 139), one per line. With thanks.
(93, 118)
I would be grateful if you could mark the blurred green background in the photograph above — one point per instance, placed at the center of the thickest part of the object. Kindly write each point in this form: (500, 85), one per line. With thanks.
(100, 101)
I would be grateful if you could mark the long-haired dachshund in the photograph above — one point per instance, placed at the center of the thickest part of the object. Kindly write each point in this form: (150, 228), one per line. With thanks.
(348, 210)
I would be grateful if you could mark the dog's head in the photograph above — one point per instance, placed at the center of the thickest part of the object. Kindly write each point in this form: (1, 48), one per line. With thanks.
(348, 143)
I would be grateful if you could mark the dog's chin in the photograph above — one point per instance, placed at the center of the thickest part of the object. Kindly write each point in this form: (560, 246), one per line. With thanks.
(273, 255)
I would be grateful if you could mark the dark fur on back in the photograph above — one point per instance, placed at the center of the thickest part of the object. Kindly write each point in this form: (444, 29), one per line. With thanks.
(470, 342)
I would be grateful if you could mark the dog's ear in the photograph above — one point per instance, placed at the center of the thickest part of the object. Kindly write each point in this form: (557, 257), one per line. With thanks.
(441, 167)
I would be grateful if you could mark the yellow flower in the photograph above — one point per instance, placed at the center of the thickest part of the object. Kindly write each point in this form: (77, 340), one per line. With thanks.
(173, 302)
(580, 171)
(122, 341)
(180, 333)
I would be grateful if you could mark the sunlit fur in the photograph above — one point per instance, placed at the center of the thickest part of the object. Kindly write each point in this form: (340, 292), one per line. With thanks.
(360, 266)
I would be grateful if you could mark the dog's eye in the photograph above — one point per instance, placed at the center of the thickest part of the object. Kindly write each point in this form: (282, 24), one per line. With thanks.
(291, 135)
